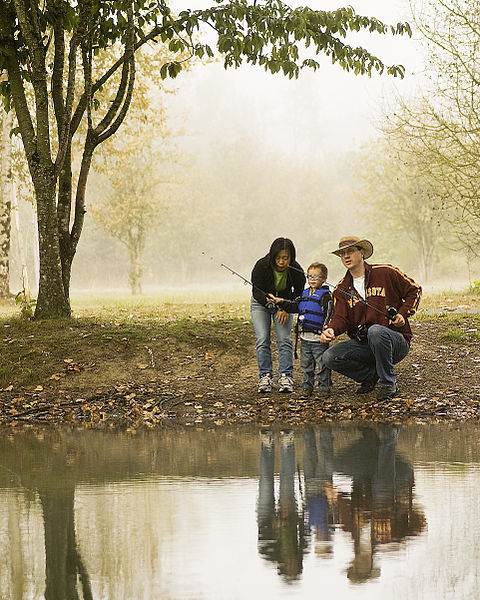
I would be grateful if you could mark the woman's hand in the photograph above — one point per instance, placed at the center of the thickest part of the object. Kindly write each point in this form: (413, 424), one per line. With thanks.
(282, 317)
(272, 298)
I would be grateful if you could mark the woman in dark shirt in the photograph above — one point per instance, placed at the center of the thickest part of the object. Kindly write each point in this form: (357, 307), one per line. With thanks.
(278, 274)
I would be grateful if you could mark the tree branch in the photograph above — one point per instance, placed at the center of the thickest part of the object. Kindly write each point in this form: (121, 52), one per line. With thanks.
(16, 83)
(39, 76)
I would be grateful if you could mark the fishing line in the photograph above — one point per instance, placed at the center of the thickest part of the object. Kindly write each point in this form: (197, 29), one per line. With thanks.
(269, 305)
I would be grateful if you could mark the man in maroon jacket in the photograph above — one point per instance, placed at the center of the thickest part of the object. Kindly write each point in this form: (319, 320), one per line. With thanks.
(372, 305)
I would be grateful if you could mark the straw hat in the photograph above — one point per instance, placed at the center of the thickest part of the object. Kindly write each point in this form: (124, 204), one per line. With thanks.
(351, 240)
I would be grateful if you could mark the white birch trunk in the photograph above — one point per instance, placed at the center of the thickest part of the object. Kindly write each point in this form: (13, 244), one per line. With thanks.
(5, 199)
(21, 246)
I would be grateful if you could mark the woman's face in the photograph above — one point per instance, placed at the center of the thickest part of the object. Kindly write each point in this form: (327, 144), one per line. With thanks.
(282, 260)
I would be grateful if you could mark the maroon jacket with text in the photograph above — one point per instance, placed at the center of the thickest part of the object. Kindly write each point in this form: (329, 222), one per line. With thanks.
(385, 285)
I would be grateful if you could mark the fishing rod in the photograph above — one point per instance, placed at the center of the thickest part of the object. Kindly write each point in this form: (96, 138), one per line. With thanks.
(390, 313)
(270, 305)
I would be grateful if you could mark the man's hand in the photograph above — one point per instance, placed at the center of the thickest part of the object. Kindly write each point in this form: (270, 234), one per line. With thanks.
(327, 335)
(282, 317)
(398, 321)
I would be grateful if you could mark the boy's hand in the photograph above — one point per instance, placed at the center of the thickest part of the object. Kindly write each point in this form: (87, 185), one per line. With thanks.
(327, 335)
(272, 298)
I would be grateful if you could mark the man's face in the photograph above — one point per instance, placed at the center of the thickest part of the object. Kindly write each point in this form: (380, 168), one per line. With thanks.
(351, 257)
(315, 278)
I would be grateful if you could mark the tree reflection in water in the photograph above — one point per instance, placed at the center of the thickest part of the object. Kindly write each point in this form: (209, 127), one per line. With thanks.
(378, 510)
(63, 563)
(46, 470)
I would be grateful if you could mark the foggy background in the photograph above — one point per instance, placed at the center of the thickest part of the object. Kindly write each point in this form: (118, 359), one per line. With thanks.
(258, 156)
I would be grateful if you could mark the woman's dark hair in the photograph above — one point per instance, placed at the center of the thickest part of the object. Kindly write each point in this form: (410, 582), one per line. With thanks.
(281, 244)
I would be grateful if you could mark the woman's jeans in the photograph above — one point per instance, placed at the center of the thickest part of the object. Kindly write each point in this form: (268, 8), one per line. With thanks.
(362, 360)
(262, 323)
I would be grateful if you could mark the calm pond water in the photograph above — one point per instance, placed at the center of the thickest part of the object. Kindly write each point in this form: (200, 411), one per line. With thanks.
(340, 511)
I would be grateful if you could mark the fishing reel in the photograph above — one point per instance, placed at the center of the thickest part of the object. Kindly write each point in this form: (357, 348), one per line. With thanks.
(392, 312)
(361, 333)
(271, 306)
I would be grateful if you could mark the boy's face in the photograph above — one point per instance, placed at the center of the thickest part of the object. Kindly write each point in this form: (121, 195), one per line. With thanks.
(315, 278)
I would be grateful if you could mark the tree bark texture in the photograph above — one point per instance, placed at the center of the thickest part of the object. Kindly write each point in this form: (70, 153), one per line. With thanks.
(136, 271)
(52, 300)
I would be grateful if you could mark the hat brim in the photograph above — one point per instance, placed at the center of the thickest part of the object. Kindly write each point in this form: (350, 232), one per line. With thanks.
(365, 245)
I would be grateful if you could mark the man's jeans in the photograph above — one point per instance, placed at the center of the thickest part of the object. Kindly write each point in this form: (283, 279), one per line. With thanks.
(262, 323)
(362, 360)
(311, 357)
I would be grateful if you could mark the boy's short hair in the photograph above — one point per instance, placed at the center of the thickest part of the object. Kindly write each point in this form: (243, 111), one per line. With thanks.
(320, 266)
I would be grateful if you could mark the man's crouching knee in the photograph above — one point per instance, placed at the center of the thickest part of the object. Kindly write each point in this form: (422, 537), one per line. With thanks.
(376, 332)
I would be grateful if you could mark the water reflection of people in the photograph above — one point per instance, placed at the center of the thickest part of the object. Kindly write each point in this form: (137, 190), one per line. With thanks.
(380, 508)
(320, 495)
(281, 528)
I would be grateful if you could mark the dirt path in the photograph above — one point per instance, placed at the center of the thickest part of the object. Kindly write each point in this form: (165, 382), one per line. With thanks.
(193, 384)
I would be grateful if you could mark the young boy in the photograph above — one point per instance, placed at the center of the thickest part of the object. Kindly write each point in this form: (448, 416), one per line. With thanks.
(312, 307)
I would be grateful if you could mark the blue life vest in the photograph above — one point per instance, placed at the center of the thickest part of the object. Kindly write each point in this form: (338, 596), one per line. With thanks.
(311, 315)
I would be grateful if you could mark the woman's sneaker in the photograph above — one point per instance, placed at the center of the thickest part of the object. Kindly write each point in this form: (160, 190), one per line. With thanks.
(285, 383)
(265, 384)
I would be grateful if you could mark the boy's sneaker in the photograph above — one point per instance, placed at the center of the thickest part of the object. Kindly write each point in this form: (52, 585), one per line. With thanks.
(265, 384)
(285, 383)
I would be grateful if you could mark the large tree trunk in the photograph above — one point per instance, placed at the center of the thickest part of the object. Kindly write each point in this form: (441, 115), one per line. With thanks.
(52, 300)
(6, 120)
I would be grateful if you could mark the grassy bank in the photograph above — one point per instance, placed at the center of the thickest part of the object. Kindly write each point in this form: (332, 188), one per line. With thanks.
(113, 339)
(117, 339)
(129, 362)
(106, 344)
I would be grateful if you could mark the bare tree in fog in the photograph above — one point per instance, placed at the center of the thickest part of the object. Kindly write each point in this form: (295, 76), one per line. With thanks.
(442, 129)
(399, 200)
